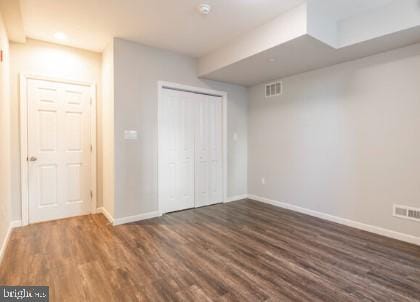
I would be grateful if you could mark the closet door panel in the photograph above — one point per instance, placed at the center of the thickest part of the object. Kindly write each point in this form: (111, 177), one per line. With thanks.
(185, 177)
(209, 178)
(202, 151)
(176, 151)
(215, 150)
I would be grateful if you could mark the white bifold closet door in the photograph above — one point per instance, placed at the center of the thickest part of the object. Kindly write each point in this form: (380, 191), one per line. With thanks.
(190, 150)
(208, 150)
(176, 150)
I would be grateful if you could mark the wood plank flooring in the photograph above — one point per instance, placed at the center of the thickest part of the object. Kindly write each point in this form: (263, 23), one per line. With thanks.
(241, 251)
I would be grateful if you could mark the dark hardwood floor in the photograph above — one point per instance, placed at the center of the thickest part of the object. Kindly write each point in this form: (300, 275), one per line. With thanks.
(241, 251)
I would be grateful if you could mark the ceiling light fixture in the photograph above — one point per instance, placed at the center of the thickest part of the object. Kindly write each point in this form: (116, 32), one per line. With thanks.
(60, 36)
(204, 9)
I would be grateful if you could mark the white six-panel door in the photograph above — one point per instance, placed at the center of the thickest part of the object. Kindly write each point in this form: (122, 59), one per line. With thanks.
(190, 150)
(59, 147)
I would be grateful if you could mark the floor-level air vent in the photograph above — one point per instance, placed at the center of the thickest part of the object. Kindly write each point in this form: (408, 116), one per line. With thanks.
(407, 212)
(273, 89)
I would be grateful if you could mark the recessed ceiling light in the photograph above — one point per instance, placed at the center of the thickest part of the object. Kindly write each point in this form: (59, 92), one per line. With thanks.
(60, 36)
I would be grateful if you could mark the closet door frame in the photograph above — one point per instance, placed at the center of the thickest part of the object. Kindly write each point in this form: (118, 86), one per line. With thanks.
(175, 86)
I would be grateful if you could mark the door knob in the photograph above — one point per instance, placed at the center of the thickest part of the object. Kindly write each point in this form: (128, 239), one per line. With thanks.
(33, 158)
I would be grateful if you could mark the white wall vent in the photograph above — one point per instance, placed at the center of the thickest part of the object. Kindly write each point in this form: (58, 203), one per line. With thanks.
(407, 212)
(273, 89)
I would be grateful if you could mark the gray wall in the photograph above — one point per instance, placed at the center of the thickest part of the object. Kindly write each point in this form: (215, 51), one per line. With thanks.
(137, 70)
(5, 146)
(108, 147)
(342, 140)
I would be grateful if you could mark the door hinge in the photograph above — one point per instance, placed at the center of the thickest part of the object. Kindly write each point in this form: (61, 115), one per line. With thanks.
(91, 194)
(91, 148)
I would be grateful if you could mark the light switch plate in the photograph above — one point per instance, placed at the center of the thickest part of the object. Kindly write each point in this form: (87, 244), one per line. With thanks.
(235, 136)
(130, 135)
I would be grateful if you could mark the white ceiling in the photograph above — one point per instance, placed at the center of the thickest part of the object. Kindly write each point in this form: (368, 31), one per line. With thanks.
(176, 25)
(343, 9)
(393, 25)
(305, 54)
(169, 24)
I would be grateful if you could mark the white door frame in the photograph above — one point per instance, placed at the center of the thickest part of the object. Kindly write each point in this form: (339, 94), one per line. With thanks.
(175, 86)
(24, 167)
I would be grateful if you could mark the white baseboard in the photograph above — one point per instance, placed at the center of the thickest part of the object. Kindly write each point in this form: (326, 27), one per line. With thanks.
(107, 215)
(236, 198)
(16, 223)
(355, 224)
(12, 225)
(128, 219)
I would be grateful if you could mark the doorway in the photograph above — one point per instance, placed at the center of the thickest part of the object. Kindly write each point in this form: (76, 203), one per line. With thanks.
(192, 147)
(58, 135)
